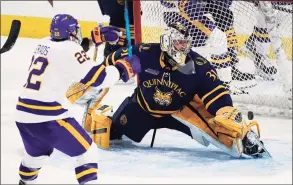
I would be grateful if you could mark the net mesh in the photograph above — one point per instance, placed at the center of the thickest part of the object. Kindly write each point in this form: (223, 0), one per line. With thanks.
(251, 47)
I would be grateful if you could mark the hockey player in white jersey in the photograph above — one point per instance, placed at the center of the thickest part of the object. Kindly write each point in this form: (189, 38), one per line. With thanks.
(266, 33)
(43, 121)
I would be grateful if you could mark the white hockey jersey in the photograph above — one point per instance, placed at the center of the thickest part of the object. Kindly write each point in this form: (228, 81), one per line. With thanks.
(54, 67)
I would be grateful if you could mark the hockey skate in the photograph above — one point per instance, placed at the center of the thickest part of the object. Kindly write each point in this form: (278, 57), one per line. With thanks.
(253, 146)
(264, 67)
(248, 79)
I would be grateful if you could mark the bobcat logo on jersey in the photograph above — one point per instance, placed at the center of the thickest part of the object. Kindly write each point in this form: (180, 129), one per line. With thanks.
(163, 98)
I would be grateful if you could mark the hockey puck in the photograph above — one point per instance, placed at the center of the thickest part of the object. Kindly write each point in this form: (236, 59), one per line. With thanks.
(250, 115)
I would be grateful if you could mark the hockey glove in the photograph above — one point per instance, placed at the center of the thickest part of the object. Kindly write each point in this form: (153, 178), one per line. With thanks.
(108, 34)
(86, 43)
(228, 121)
(128, 67)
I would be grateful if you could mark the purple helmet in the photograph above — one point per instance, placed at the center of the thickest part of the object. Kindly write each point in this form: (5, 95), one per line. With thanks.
(64, 26)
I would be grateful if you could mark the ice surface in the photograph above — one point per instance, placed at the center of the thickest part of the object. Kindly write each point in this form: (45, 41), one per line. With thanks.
(175, 157)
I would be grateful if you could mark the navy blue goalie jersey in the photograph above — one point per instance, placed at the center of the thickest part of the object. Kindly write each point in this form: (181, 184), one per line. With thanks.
(164, 90)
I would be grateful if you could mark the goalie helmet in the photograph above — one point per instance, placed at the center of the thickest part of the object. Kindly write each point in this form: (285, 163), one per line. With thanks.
(65, 27)
(176, 42)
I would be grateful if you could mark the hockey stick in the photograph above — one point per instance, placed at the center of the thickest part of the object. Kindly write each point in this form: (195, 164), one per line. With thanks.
(127, 28)
(12, 37)
(153, 138)
(128, 37)
(90, 101)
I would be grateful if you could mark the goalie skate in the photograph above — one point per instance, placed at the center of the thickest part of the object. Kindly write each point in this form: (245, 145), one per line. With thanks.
(253, 146)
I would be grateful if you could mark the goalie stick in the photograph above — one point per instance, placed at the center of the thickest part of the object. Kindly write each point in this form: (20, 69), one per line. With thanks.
(12, 37)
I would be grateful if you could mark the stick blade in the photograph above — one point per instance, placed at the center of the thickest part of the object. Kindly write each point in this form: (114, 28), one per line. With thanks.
(12, 37)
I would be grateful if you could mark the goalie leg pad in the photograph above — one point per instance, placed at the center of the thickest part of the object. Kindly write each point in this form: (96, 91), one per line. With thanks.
(100, 127)
(88, 120)
(196, 118)
(206, 133)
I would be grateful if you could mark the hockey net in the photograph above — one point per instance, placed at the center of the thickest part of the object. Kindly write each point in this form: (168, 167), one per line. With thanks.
(238, 41)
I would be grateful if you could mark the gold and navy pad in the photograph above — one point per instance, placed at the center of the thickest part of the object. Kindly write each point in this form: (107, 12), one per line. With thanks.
(40, 107)
(28, 174)
(86, 173)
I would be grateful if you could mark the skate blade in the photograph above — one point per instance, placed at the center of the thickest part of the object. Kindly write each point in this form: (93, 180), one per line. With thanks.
(265, 154)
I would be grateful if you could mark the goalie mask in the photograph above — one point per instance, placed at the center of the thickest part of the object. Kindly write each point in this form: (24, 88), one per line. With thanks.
(176, 43)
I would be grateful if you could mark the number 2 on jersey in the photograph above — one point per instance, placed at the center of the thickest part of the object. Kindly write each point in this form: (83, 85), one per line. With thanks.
(36, 71)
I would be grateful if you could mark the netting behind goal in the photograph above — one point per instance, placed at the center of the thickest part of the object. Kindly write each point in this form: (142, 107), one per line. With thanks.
(251, 48)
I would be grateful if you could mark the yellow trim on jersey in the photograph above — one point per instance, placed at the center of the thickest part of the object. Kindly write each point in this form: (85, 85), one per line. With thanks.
(97, 74)
(258, 34)
(124, 54)
(232, 38)
(113, 57)
(161, 61)
(38, 107)
(220, 61)
(231, 31)
(215, 98)
(231, 45)
(74, 133)
(28, 173)
(162, 64)
(157, 116)
(154, 111)
(212, 91)
(107, 60)
(214, 72)
(86, 172)
(138, 101)
(196, 23)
